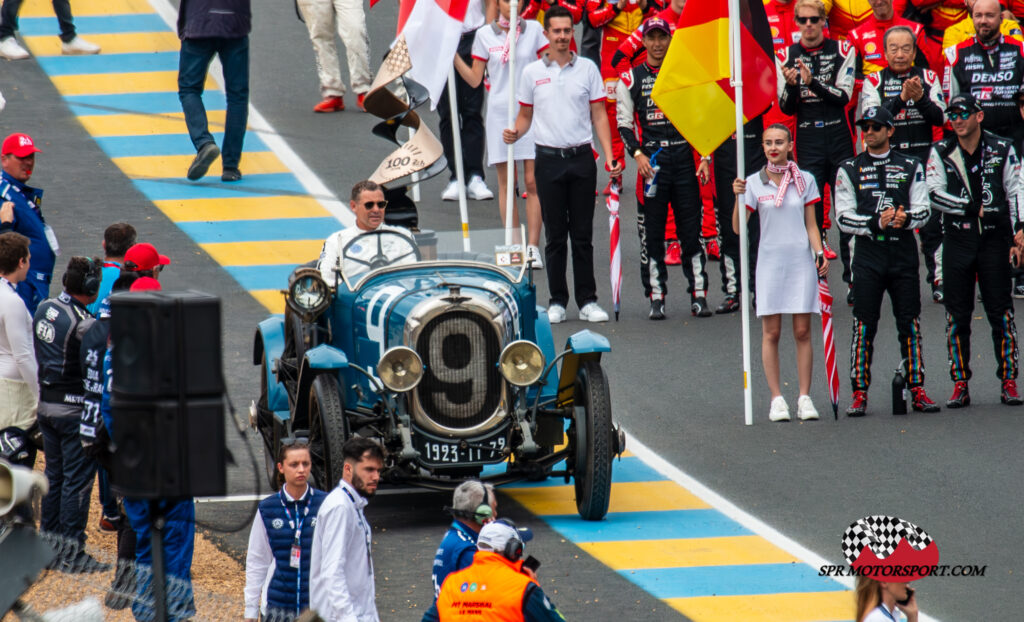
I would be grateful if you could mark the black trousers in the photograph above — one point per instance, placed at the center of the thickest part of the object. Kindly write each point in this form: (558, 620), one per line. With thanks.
(565, 187)
(820, 151)
(470, 103)
(677, 185)
(9, 18)
(880, 268)
(968, 258)
(725, 201)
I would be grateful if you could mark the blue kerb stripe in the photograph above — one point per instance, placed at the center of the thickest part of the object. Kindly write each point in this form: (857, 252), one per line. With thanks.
(211, 188)
(140, 103)
(167, 144)
(648, 526)
(736, 580)
(261, 277)
(94, 24)
(261, 231)
(109, 63)
(630, 469)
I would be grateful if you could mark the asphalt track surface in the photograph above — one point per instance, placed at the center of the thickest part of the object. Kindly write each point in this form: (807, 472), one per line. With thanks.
(676, 385)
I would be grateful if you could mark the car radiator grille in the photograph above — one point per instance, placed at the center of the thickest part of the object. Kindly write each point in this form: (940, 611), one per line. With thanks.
(462, 385)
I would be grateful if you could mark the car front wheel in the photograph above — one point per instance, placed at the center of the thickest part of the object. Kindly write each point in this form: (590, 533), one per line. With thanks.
(592, 439)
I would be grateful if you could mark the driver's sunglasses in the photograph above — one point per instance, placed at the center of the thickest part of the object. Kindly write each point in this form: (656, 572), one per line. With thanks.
(377, 204)
(873, 127)
(963, 115)
(814, 19)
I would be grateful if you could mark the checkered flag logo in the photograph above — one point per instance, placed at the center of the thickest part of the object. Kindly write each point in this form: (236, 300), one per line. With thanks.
(882, 534)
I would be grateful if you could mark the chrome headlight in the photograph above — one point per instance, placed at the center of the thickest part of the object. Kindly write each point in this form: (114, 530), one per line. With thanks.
(308, 293)
(521, 363)
(400, 369)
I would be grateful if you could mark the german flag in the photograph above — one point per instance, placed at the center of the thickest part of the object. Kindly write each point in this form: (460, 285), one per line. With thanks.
(693, 89)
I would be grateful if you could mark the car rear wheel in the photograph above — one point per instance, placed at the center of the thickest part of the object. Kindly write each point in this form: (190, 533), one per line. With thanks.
(328, 431)
(592, 441)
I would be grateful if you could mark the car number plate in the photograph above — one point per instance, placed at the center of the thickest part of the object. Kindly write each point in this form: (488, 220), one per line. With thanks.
(454, 453)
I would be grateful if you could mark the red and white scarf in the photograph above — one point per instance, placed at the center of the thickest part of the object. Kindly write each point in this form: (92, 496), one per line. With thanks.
(790, 173)
(506, 24)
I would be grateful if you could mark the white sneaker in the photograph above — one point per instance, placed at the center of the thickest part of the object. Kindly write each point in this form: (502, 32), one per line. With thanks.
(805, 409)
(451, 192)
(477, 190)
(79, 46)
(556, 314)
(11, 50)
(591, 312)
(779, 410)
(533, 255)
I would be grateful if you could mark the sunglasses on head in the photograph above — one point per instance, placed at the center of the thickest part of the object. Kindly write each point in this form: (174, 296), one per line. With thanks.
(377, 204)
(962, 115)
(291, 441)
(814, 19)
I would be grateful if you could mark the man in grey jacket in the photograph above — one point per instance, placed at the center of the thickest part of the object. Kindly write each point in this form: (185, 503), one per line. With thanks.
(208, 28)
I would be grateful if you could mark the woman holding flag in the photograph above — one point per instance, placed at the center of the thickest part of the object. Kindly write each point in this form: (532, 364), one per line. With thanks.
(491, 52)
(784, 197)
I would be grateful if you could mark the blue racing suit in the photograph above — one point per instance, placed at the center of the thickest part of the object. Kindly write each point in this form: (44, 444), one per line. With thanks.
(28, 221)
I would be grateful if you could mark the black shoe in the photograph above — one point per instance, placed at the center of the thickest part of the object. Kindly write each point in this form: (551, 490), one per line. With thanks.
(231, 174)
(729, 305)
(699, 307)
(122, 591)
(849, 295)
(657, 309)
(82, 563)
(1018, 287)
(208, 153)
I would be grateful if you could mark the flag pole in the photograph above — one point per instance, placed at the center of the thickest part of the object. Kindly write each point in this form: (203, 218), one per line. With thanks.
(735, 66)
(460, 175)
(510, 190)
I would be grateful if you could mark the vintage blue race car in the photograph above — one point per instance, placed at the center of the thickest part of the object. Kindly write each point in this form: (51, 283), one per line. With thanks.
(442, 356)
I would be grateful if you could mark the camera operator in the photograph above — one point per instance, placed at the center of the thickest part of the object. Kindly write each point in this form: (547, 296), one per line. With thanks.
(473, 506)
(508, 588)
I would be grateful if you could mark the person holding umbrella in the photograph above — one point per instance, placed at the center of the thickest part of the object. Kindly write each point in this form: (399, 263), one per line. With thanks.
(790, 259)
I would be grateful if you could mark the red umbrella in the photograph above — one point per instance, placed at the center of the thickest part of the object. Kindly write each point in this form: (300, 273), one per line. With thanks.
(614, 250)
(831, 368)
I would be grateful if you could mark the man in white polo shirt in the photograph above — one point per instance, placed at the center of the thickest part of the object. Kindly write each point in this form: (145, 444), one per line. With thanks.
(562, 96)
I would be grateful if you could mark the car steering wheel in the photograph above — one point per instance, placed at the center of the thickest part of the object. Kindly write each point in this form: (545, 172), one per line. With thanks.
(380, 260)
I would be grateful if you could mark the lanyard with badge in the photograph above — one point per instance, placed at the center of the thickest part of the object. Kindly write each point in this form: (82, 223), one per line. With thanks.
(295, 559)
(886, 612)
(364, 527)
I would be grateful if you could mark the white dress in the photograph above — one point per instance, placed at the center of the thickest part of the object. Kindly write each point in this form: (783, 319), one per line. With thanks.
(787, 281)
(487, 46)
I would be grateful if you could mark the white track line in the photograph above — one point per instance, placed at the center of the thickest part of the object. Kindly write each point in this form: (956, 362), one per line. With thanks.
(730, 509)
(258, 124)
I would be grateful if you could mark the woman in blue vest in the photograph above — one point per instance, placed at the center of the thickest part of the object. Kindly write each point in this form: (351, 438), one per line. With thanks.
(277, 564)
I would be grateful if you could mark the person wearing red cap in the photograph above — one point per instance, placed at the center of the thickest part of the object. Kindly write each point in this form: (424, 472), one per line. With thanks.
(144, 260)
(146, 284)
(20, 212)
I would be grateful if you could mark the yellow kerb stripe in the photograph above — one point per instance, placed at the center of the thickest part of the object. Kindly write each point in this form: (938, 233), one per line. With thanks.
(794, 607)
(121, 43)
(264, 253)
(687, 552)
(242, 208)
(120, 83)
(271, 299)
(145, 124)
(626, 497)
(252, 163)
(44, 8)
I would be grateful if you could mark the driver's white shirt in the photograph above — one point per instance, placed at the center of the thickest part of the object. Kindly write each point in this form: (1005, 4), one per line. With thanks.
(334, 245)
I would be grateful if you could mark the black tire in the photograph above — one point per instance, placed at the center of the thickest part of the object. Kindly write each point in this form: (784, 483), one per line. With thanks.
(592, 455)
(270, 443)
(328, 431)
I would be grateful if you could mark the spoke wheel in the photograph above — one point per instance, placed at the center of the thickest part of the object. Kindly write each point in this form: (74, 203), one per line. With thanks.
(328, 430)
(592, 440)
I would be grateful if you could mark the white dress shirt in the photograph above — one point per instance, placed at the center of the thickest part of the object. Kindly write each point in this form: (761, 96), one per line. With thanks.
(18, 369)
(561, 97)
(260, 564)
(341, 586)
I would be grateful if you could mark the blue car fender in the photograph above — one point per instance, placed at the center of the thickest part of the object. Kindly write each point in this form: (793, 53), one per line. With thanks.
(319, 360)
(582, 346)
(268, 345)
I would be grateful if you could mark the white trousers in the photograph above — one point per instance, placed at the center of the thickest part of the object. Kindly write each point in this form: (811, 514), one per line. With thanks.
(320, 17)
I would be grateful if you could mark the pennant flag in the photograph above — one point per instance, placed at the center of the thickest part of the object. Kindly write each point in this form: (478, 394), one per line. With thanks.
(431, 29)
(693, 89)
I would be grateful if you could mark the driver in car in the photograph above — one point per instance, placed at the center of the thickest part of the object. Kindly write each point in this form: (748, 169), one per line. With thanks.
(343, 252)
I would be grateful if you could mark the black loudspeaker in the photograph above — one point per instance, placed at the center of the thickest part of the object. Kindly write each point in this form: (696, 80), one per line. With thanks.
(167, 395)
(167, 344)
